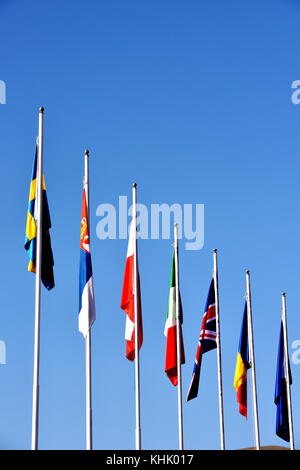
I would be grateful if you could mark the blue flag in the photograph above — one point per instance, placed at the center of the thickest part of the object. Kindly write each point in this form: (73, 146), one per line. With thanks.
(282, 418)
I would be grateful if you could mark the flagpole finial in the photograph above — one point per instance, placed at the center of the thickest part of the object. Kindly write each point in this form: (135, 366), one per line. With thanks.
(41, 109)
(283, 294)
(86, 152)
(215, 250)
(247, 272)
(134, 185)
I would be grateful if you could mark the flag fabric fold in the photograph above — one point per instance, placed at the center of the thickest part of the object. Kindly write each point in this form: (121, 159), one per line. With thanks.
(170, 331)
(127, 300)
(242, 365)
(86, 289)
(280, 399)
(47, 262)
(207, 339)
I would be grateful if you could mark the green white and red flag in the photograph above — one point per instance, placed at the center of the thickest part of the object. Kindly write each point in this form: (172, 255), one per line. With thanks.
(171, 331)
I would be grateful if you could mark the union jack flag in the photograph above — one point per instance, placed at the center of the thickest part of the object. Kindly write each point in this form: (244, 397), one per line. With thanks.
(207, 340)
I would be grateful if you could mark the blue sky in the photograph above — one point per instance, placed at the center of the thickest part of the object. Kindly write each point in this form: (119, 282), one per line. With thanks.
(192, 100)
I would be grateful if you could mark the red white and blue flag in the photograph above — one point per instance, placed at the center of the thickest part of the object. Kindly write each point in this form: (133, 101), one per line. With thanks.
(86, 289)
(207, 340)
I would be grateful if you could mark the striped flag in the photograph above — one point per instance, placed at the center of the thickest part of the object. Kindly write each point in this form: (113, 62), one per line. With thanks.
(280, 399)
(171, 331)
(47, 262)
(127, 300)
(242, 365)
(86, 289)
(207, 340)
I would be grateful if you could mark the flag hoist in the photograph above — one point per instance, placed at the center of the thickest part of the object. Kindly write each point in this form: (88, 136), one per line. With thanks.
(38, 244)
(210, 339)
(131, 304)
(221, 412)
(86, 296)
(245, 361)
(173, 332)
(179, 340)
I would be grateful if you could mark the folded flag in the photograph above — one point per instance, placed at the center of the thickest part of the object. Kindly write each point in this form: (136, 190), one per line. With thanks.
(171, 331)
(242, 365)
(47, 262)
(280, 400)
(207, 340)
(86, 289)
(127, 300)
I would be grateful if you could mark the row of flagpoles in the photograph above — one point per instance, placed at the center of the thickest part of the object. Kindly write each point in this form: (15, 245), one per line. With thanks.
(37, 242)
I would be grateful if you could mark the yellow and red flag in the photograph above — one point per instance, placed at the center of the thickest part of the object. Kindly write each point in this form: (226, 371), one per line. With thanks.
(242, 365)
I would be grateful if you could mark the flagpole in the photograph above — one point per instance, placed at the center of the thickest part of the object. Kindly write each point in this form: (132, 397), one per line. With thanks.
(38, 265)
(216, 284)
(252, 360)
(88, 373)
(178, 339)
(136, 330)
(286, 369)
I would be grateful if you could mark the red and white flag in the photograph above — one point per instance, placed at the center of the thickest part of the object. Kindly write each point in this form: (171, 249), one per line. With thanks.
(127, 301)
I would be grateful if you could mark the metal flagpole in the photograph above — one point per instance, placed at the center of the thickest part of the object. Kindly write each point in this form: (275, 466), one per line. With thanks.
(252, 360)
(89, 434)
(216, 283)
(178, 339)
(286, 369)
(38, 266)
(136, 329)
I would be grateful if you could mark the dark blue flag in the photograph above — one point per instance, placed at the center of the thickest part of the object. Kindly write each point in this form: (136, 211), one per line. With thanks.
(282, 418)
(207, 340)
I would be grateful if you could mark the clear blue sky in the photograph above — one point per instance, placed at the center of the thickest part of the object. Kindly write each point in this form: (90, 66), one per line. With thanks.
(192, 100)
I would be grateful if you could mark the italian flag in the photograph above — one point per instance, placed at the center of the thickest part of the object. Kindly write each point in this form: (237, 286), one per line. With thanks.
(171, 331)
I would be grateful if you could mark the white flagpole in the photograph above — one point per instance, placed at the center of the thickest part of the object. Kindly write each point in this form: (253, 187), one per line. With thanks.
(38, 265)
(252, 360)
(136, 329)
(178, 340)
(286, 368)
(216, 283)
(89, 433)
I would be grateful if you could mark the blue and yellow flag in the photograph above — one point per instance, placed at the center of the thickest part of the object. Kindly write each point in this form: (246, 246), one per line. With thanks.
(30, 237)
